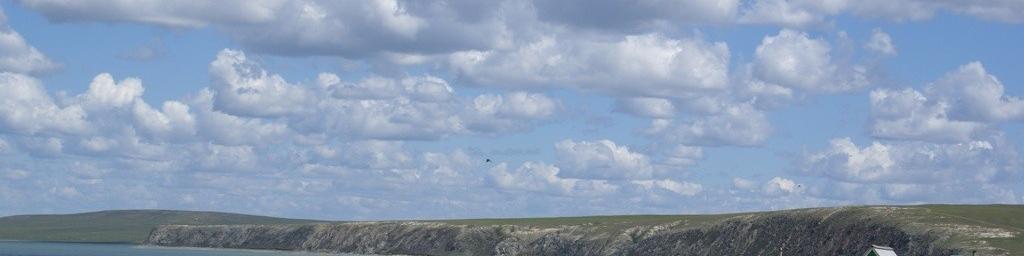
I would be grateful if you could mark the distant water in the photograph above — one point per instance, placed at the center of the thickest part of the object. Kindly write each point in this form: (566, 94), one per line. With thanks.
(19, 248)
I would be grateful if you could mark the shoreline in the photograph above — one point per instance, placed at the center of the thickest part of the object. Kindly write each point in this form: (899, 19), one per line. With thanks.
(157, 247)
(67, 242)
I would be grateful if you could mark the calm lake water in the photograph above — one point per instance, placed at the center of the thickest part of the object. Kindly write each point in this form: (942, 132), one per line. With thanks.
(19, 248)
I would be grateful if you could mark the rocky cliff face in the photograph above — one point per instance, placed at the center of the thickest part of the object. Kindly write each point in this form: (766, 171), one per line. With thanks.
(804, 232)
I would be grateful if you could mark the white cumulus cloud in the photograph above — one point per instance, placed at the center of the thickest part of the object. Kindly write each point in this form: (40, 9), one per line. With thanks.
(740, 125)
(781, 186)
(17, 56)
(174, 119)
(641, 65)
(105, 92)
(794, 59)
(974, 94)
(908, 114)
(602, 159)
(26, 108)
(791, 13)
(982, 161)
(512, 111)
(880, 42)
(682, 188)
(540, 177)
(244, 88)
(962, 105)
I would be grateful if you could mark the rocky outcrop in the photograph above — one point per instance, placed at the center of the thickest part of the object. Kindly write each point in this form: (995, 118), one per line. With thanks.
(803, 232)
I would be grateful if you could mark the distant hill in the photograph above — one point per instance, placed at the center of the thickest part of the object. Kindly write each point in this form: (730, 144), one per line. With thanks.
(119, 226)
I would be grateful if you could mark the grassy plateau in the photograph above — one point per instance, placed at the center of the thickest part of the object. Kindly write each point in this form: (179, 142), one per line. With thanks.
(122, 226)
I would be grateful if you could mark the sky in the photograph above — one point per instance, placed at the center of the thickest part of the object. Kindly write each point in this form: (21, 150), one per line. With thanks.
(390, 109)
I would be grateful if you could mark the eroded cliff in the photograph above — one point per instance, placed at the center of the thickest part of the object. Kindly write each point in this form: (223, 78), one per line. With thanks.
(837, 231)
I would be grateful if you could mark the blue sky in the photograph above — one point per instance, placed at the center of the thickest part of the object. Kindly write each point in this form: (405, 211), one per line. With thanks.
(388, 109)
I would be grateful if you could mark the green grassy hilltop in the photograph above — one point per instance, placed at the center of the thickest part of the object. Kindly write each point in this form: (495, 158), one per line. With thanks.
(995, 229)
(122, 226)
(1004, 223)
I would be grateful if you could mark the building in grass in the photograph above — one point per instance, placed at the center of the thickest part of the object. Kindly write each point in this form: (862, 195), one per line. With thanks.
(877, 250)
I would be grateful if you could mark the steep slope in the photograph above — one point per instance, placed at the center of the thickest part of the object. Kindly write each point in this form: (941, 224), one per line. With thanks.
(122, 226)
(923, 230)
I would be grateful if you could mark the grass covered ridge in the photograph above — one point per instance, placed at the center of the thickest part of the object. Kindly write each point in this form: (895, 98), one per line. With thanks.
(122, 226)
